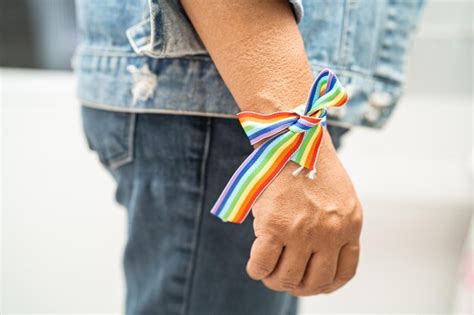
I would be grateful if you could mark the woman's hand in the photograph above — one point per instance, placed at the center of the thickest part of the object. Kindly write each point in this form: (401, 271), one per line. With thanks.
(307, 230)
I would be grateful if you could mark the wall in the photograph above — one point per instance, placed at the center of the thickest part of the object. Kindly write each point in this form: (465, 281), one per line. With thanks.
(62, 233)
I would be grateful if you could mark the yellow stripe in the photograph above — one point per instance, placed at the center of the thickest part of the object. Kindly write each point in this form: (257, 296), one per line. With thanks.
(338, 98)
(323, 88)
(304, 156)
(330, 103)
(248, 122)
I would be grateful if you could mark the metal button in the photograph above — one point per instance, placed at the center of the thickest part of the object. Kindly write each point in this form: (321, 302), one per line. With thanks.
(380, 100)
(392, 12)
(372, 114)
(390, 25)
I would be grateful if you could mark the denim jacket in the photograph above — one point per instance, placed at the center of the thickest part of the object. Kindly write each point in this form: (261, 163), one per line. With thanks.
(145, 56)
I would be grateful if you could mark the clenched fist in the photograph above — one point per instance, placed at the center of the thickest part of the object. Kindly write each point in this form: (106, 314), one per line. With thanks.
(307, 231)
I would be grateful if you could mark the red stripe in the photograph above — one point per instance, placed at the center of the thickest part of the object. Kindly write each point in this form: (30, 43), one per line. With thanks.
(315, 148)
(310, 119)
(265, 116)
(343, 100)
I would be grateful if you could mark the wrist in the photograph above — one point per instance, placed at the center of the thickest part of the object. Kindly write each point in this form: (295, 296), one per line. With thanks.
(326, 144)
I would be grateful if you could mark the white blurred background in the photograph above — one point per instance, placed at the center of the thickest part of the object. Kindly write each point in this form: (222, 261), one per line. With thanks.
(62, 234)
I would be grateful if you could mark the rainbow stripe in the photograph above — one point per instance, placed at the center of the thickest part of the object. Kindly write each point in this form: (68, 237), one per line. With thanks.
(288, 135)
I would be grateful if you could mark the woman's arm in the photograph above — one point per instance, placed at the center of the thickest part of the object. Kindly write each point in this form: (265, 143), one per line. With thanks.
(258, 50)
(307, 231)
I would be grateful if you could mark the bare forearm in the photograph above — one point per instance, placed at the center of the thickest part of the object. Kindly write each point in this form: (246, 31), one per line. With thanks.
(258, 50)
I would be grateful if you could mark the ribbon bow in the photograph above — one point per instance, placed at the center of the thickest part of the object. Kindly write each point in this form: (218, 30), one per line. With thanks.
(287, 135)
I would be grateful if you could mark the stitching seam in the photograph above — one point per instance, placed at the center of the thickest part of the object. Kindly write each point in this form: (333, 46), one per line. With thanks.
(130, 141)
(198, 220)
(154, 110)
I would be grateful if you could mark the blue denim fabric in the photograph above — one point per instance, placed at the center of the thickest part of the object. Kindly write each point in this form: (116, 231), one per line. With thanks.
(365, 42)
(169, 170)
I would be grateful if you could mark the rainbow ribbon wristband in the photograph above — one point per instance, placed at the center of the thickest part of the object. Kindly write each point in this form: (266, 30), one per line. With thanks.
(288, 135)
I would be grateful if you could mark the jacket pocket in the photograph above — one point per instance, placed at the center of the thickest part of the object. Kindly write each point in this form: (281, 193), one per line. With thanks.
(166, 32)
(110, 134)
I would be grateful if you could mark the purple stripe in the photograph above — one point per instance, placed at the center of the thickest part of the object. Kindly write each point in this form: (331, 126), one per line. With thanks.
(269, 129)
(302, 126)
(238, 174)
(268, 134)
(312, 93)
(305, 122)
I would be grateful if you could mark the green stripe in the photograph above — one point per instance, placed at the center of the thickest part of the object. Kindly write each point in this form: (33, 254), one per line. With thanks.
(259, 164)
(318, 92)
(249, 128)
(304, 144)
(327, 98)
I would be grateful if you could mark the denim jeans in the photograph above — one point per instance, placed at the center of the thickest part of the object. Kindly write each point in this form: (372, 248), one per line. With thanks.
(169, 170)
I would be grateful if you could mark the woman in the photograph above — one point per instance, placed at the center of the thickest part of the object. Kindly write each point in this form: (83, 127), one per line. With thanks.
(161, 81)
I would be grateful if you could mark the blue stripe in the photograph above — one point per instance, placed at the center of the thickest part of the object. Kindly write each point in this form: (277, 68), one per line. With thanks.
(323, 74)
(332, 80)
(301, 126)
(258, 153)
(269, 128)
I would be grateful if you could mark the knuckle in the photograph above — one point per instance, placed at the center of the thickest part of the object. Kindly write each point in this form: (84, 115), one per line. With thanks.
(272, 285)
(357, 220)
(325, 285)
(269, 232)
(326, 288)
(304, 292)
(333, 223)
(272, 238)
(354, 248)
(317, 287)
(279, 284)
(352, 202)
(287, 284)
(257, 269)
(303, 225)
(336, 286)
(347, 276)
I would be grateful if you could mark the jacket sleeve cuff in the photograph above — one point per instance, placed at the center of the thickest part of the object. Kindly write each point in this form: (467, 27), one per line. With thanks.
(298, 10)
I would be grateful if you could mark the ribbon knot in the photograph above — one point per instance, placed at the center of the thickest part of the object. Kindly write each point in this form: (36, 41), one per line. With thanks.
(287, 135)
(304, 123)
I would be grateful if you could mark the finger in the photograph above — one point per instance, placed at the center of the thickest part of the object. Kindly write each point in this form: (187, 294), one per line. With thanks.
(320, 273)
(264, 256)
(346, 266)
(290, 269)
